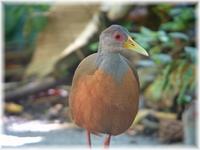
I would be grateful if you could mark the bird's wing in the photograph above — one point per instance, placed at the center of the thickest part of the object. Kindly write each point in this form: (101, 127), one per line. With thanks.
(86, 67)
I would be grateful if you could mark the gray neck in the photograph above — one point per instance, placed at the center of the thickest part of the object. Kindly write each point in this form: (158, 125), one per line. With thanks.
(112, 63)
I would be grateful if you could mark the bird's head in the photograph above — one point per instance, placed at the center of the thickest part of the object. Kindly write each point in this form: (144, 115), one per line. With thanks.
(117, 39)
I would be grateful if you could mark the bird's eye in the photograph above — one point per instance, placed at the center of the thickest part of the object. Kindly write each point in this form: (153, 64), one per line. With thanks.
(118, 37)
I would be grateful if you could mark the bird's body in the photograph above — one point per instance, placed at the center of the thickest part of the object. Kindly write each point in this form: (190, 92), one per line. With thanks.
(105, 88)
(105, 100)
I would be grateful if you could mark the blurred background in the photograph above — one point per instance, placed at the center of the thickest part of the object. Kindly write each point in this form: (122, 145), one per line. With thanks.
(44, 43)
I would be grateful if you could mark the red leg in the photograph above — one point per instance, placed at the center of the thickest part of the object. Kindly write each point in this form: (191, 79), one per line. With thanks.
(89, 139)
(107, 141)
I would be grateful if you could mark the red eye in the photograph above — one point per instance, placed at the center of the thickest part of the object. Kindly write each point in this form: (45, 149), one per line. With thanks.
(118, 37)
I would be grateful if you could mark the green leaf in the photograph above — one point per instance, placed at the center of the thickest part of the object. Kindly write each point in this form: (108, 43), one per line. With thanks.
(162, 58)
(173, 26)
(94, 46)
(128, 25)
(148, 32)
(186, 79)
(155, 49)
(39, 22)
(163, 37)
(179, 35)
(191, 52)
(166, 74)
(21, 24)
(28, 26)
(175, 11)
(156, 90)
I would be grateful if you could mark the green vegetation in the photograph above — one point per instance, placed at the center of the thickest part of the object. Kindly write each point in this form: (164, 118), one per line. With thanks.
(22, 24)
(172, 48)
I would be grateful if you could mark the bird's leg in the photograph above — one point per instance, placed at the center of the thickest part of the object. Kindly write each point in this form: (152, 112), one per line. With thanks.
(89, 139)
(107, 141)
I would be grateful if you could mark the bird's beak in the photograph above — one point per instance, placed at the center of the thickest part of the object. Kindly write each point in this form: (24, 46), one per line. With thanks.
(132, 45)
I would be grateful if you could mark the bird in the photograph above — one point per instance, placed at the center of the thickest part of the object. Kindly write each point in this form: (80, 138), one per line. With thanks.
(105, 88)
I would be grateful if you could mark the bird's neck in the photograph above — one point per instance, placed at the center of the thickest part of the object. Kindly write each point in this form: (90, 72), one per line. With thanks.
(103, 56)
(108, 47)
(113, 64)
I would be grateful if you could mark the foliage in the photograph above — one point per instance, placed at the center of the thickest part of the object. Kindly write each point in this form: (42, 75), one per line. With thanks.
(94, 46)
(180, 19)
(173, 50)
(22, 23)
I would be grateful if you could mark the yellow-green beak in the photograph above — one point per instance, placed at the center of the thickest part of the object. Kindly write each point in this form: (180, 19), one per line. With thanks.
(132, 45)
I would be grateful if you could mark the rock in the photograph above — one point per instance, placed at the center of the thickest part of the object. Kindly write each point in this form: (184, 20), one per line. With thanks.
(151, 124)
(170, 131)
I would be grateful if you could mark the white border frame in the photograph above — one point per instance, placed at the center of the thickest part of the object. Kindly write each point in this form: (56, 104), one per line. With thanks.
(150, 147)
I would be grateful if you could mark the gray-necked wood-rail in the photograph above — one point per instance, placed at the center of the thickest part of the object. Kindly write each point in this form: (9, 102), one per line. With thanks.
(105, 89)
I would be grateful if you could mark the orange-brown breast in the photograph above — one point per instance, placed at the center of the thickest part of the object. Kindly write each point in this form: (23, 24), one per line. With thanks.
(102, 105)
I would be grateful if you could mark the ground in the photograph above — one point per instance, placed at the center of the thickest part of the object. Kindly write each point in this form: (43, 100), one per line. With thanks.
(23, 133)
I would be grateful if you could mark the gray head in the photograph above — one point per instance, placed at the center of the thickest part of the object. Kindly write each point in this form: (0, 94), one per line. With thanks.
(116, 39)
